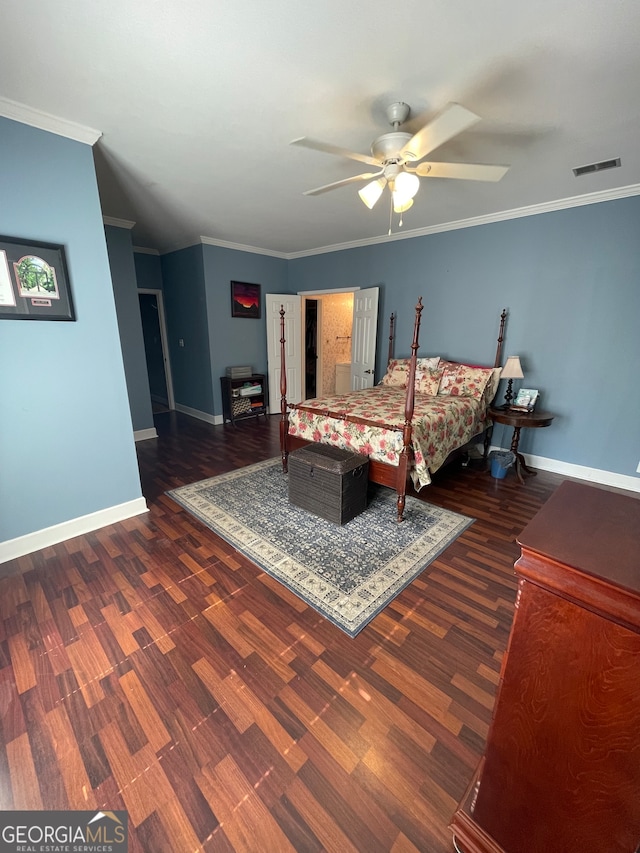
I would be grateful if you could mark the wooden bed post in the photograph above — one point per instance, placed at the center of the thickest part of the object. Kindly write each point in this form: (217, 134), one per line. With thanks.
(503, 320)
(284, 413)
(497, 363)
(409, 405)
(284, 417)
(380, 470)
(392, 327)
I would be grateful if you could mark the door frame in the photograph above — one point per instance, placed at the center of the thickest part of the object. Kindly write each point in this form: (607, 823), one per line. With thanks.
(319, 341)
(164, 340)
(311, 294)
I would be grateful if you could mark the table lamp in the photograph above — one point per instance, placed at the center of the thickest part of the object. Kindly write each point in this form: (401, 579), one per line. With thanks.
(512, 370)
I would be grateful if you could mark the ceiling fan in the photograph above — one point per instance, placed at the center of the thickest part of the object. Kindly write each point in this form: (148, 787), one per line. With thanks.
(397, 155)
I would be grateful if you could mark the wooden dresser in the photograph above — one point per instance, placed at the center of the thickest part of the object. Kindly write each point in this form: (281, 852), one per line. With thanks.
(561, 769)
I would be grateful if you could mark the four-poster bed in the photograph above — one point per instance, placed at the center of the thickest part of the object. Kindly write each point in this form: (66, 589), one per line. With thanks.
(422, 412)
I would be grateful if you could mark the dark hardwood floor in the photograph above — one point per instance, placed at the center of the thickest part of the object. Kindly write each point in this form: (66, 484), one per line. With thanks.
(150, 667)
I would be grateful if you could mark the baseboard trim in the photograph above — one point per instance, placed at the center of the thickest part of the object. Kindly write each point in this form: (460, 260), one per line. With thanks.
(144, 434)
(201, 416)
(581, 472)
(14, 548)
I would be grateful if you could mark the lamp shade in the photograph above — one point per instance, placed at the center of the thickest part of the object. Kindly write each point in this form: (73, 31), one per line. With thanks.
(372, 192)
(401, 204)
(406, 185)
(512, 368)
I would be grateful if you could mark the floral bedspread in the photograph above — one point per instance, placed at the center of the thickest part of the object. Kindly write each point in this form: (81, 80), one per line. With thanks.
(440, 425)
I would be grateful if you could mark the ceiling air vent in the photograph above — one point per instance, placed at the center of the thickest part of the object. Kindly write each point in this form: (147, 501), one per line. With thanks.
(596, 167)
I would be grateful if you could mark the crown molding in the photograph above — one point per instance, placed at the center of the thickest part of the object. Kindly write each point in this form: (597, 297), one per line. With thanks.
(118, 223)
(502, 216)
(225, 244)
(46, 121)
(144, 250)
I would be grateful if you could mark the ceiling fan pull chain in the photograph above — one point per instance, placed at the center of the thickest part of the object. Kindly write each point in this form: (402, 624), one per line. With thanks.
(390, 214)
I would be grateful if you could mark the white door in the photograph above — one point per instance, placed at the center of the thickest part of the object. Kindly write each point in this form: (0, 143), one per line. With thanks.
(363, 338)
(293, 347)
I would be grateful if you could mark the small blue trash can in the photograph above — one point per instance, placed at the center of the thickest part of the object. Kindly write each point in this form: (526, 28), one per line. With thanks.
(501, 461)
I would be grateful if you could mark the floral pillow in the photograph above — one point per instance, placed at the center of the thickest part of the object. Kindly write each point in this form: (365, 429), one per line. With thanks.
(428, 363)
(428, 380)
(398, 370)
(492, 386)
(461, 380)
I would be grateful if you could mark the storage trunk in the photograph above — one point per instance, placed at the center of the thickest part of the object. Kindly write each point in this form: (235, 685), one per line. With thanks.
(328, 481)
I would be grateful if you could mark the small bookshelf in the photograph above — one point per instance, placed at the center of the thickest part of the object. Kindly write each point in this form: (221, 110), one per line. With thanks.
(243, 398)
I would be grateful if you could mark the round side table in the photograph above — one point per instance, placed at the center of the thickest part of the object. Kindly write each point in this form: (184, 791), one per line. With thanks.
(520, 420)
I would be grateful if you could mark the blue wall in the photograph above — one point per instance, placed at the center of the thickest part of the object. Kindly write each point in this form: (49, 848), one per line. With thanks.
(185, 303)
(148, 270)
(125, 290)
(237, 340)
(66, 438)
(571, 282)
(197, 294)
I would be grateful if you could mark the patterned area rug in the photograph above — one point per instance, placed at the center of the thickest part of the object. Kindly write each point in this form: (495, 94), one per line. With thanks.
(348, 573)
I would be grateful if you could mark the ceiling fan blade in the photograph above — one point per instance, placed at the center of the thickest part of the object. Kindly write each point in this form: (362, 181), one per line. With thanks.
(366, 177)
(327, 148)
(452, 120)
(464, 171)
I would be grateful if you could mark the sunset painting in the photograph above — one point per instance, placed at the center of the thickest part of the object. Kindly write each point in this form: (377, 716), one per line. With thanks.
(245, 300)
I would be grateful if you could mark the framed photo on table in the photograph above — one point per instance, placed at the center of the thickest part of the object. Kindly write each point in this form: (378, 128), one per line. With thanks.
(34, 281)
(525, 400)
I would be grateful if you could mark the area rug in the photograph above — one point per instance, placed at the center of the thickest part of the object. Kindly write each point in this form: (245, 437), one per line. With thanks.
(349, 573)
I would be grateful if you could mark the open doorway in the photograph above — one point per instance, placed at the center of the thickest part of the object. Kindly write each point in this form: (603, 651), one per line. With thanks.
(328, 334)
(310, 347)
(345, 342)
(156, 351)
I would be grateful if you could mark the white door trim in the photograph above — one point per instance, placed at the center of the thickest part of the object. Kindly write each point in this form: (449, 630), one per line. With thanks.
(304, 293)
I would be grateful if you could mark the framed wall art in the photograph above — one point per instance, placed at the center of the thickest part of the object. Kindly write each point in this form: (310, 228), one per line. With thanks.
(34, 282)
(245, 300)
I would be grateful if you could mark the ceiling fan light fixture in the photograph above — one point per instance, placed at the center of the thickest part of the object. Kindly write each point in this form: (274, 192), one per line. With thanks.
(398, 154)
(406, 185)
(372, 192)
(401, 204)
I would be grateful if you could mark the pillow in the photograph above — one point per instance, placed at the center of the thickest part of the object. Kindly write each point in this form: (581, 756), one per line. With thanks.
(428, 363)
(492, 386)
(398, 370)
(428, 381)
(461, 380)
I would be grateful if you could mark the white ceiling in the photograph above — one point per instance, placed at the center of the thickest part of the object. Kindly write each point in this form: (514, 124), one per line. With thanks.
(197, 101)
